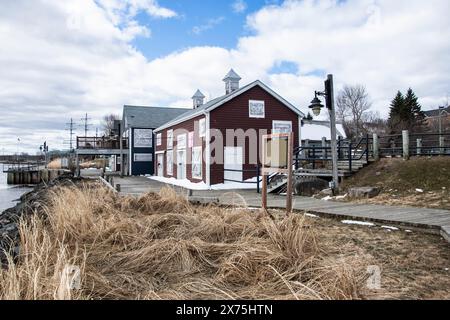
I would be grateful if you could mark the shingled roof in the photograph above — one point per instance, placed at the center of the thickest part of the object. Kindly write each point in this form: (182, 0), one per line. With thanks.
(149, 117)
(435, 112)
(217, 102)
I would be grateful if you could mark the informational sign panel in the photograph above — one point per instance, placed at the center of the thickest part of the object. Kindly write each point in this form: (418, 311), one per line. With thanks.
(143, 138)
(276, 153)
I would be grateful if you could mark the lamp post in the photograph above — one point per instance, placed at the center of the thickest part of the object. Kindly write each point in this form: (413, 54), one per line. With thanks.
(316, 106)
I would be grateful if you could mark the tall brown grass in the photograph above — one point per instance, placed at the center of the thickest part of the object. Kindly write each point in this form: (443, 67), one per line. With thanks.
(159, 246)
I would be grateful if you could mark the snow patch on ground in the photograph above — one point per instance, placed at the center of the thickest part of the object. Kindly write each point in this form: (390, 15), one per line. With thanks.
(311, 215)
(419, 190)
(390, 228)
(327, 198)
(360, 223)
(250, 184)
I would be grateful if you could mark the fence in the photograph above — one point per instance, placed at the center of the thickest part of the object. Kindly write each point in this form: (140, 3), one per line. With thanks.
(415, 144)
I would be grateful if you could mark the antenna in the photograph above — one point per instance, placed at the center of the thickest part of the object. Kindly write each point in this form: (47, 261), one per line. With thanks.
(86, 124)
(71, 128)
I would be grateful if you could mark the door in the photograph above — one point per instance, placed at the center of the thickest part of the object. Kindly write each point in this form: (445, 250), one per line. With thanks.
(160, 164)
(233, 163)
(181, 164)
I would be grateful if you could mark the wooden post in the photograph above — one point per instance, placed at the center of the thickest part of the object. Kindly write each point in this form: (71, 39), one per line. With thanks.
(405, 135)
(264, 191)
(376, 147)
(289, 186)
(419, 147)
(441, 145)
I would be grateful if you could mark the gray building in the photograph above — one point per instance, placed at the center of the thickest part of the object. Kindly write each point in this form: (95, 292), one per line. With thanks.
(138, 123)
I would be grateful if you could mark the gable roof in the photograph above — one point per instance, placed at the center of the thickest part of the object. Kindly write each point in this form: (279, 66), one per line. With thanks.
(435, 112)
(217, 102)
(149, 117)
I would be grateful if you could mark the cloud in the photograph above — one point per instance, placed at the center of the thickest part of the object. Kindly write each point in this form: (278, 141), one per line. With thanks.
(210, 24)
(62, 59)
(239, 6)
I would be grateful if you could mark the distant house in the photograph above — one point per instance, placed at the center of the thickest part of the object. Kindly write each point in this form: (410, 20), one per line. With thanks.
(436, 116)
(218, 141)
(138, 125)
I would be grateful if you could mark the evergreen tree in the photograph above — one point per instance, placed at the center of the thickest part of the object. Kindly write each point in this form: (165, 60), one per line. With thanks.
(309, 116)
(415, 114)
(397, 112)
(406, 113)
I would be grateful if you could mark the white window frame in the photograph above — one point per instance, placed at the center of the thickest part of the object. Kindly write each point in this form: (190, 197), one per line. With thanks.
(158, 139)
(281, 122)
(170, 139)
(169, 168)
(250, 115)
(182, 138)
(197, 149)
(202, 128)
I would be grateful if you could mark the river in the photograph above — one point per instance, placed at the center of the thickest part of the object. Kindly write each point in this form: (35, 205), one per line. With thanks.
(9, 194)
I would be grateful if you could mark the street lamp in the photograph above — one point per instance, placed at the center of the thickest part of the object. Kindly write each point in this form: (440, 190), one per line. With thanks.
(317, 106)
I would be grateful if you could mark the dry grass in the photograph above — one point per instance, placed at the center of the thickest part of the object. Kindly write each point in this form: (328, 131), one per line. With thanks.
(399, 179)
(160, 247)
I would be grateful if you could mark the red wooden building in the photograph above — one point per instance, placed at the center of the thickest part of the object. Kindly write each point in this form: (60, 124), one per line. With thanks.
(219, 141)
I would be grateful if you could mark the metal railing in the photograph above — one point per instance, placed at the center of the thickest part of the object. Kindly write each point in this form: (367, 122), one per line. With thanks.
(101, 143)
(347, 150)
(22, 167)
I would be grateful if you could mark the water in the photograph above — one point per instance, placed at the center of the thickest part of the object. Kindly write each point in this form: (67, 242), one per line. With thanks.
(9, 194)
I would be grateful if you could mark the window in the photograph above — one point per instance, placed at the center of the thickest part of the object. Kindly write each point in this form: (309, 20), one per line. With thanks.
(279, 126)
(197, 163)
(181, 141)
(169, 162)
(159, 139)
(170, 139)
(143, 157)
(202, 127)
(256, 109)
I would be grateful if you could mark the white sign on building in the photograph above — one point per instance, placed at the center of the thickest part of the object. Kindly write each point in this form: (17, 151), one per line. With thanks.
(143, 138)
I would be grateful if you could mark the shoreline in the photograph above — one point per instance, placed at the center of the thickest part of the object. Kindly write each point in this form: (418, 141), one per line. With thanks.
(29, 203)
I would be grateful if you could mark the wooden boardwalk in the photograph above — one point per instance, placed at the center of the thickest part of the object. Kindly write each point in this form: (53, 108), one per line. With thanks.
(432, 220)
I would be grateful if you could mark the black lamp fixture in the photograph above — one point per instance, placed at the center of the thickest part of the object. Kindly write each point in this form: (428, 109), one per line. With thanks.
(316, 105)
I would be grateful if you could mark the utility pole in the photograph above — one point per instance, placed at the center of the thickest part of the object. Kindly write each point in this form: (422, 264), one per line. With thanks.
(86, 124)
(71, 129)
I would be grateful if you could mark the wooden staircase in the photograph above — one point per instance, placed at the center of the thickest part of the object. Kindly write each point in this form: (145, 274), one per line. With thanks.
(316, 162)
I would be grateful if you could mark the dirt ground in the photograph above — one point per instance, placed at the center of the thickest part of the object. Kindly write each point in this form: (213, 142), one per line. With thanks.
(419, 182)
(414, 265)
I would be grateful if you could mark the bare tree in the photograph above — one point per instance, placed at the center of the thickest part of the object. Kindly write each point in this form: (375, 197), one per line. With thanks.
(108, 123)
(352, 105)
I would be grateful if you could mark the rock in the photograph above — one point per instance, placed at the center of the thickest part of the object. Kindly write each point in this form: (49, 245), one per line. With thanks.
(378, 174)
(363, 192)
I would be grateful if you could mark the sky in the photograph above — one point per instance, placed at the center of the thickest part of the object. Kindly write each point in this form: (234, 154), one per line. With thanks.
(62, 59)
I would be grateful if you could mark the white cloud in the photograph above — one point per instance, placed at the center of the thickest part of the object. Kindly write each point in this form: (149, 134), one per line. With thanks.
(210, 24)
(61, 59)
(239, 6)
